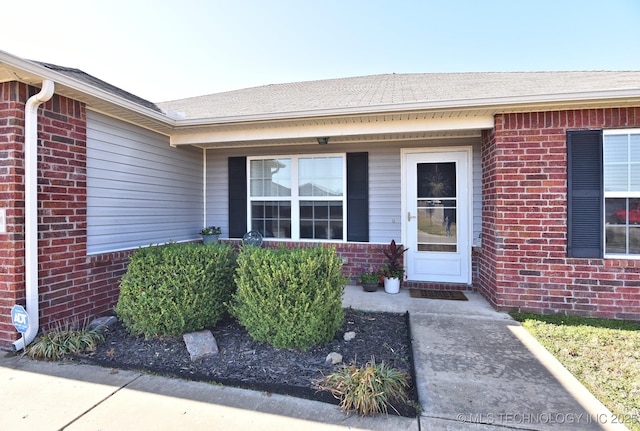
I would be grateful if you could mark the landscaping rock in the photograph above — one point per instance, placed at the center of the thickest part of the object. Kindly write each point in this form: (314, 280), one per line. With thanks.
(104, 322)
(200, 344)
(333, 358)
(348, 336)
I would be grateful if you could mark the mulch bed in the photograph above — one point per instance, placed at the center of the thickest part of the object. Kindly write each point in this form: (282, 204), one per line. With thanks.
(244, 363)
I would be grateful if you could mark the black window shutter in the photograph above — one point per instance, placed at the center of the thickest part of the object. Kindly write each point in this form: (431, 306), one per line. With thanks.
(584, 194)
(358, 197)
(237, 197)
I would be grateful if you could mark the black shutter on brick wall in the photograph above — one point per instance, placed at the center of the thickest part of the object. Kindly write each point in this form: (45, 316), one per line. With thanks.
(585, 194)
(358, 197)
(237, 197)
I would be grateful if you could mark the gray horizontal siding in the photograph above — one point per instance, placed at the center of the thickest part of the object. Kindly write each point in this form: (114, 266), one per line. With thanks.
(477, 192)
(140, 191)
(385, 199)
(217, 212)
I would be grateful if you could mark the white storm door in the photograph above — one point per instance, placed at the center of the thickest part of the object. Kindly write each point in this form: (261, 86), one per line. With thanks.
(438, 218)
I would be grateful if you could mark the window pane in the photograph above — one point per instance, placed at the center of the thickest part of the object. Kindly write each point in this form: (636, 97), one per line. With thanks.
(437, 229)
(622, 174)
(257, 188)
(616, 178)
(271, 219)
(335, 230)
(616, 210)
(634, 239)
(634, 148)
(436, 180)
(635, 177)
(270, 177)
(616, 149)
(634, 211)
(616, 239)
(306, 210)
(320, 176)
(321, 229)
(321, 210)
(321, 220)
(335, 209)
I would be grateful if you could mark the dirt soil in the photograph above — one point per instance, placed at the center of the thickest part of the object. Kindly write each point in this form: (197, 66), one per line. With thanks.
(244, 363)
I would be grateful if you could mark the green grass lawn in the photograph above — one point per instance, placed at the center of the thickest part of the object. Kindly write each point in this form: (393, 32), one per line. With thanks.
(603, 354)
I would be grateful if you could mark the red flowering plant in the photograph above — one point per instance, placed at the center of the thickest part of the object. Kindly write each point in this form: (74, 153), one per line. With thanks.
(393, 268)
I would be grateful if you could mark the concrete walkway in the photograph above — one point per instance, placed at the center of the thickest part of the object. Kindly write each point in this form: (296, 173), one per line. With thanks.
(476, 369)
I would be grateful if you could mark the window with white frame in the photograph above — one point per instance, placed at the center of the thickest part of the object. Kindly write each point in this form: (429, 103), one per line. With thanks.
(298, 197)
(621, 163)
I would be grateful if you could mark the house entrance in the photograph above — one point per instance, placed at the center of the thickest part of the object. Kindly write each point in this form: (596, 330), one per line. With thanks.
(438, 219)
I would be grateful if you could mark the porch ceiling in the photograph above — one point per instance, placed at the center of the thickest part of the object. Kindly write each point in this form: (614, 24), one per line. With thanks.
(339, 129)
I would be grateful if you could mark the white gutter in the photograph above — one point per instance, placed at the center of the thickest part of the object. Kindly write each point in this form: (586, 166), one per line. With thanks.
(31, 210)
(495, 103)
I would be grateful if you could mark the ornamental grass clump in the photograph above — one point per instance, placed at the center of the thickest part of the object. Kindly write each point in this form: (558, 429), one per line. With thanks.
(289, 298)
(367, 390)
(176, 288)
(63, 340)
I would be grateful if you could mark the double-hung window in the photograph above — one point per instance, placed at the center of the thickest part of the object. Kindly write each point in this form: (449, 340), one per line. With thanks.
(298, 197)
(621, 160)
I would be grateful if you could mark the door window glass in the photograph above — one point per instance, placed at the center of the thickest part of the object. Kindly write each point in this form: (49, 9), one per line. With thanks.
(437, 206)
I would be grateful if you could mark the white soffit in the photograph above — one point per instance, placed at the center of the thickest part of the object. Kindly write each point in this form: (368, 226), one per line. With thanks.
(338, 129)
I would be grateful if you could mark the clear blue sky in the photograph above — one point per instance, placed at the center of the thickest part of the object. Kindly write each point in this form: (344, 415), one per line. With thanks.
(163, 50)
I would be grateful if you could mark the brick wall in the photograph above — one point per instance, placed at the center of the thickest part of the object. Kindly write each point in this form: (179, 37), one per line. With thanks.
(12, 97)
(523, 263)
(359, 257)
(72, 285)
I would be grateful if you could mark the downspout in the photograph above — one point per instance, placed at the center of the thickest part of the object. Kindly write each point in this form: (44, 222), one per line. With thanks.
(31, 210)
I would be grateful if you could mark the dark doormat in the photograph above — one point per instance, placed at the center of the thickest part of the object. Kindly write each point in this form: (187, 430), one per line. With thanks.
(454, 295)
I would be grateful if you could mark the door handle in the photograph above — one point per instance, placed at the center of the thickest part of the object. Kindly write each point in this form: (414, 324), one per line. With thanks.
(409, 216)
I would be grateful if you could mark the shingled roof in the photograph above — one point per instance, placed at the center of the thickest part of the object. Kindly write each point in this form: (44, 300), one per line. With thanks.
(389, 89)
(98, 83)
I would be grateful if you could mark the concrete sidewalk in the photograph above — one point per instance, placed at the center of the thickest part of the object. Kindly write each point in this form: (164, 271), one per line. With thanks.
(476, 369)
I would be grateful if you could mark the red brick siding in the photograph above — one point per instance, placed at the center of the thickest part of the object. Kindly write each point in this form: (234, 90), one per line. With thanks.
(12, 98)
(72, 285)
(523, 264)
(359, 257)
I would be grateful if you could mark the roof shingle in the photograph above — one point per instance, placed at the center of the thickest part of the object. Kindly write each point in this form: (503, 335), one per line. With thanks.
(379, 90)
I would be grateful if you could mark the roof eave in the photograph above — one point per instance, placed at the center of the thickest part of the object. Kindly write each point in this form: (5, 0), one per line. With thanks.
(496, 104)
(96, 99)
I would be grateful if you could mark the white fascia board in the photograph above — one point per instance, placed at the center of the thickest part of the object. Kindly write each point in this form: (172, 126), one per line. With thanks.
(312, 131)
(496, 104)
(41, 72)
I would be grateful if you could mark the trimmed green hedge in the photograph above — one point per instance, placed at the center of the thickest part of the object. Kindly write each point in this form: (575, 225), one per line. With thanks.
(289, 298)
(176, 288)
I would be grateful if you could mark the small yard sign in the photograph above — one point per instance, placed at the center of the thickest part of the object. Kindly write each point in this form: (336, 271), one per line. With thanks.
(20, 318)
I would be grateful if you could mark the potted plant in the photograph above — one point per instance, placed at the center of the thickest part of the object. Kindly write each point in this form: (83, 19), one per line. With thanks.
(210, 234)
(393, 271)
(369, 280)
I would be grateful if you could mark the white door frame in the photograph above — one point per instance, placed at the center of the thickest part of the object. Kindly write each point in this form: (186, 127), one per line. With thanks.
(465, 246)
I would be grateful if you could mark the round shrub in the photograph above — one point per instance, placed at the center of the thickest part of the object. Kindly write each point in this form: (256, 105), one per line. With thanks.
(176, 288)
(289, 298)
